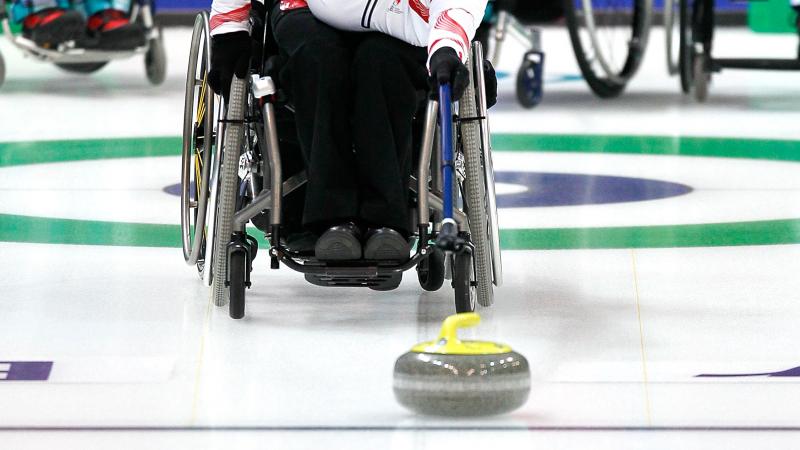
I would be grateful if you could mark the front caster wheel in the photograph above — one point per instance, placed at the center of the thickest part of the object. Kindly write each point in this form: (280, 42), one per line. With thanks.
(529, 80)
(430, 271)
(464, 283)
(155, 61)
(237, 279)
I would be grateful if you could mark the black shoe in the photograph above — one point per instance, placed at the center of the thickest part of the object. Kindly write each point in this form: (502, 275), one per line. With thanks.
(53, 26)
(386, 244)
(339, 243)
(111, 29)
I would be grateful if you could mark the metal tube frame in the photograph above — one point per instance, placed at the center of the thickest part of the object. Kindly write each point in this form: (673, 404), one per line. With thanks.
(507, 25)
(271, 199)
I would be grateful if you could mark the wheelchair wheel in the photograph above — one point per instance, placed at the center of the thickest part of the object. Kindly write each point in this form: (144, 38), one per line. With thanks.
(237, 276)
(2, 69)
(199, 119)
(155, 60)
(609, 38)
(475, 193)
(430, 271)
(488, 167)
(464, 283)
(686, 49)
(228, 187)
(84, 68)
(672, 30)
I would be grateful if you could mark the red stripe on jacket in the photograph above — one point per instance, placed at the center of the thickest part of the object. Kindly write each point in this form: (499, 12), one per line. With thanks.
(420, 9)
(235, 15)
(447, 23)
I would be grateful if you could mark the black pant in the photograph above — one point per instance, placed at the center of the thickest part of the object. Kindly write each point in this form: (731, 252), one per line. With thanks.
(355, 95)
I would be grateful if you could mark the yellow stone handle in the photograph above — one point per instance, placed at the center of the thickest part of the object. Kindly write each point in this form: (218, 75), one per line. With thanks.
(450, 326)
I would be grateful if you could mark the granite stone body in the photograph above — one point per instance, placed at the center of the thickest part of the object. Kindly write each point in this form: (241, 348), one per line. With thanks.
(461, 385)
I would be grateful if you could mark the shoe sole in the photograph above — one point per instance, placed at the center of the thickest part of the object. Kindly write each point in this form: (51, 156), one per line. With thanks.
(337, 246)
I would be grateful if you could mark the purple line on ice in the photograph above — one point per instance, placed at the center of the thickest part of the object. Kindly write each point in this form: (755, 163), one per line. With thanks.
(25, 370)
(793, 372)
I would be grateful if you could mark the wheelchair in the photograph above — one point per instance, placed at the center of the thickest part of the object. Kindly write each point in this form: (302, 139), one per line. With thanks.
(692, 21)
(71, 58)
(232, 174)
(608, 38)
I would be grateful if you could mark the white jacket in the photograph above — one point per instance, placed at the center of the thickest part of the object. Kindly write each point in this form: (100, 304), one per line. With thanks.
(423, 23)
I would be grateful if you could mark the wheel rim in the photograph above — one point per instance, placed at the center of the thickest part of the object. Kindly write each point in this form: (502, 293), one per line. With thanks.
(196, 153)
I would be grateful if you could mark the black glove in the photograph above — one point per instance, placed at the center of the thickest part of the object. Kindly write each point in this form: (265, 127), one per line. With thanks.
(490, 81)
(446, 67)
(230, 54)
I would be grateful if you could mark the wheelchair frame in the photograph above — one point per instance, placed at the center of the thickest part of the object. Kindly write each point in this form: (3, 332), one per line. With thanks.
(213, 225)
(695, 63)
(76, 59)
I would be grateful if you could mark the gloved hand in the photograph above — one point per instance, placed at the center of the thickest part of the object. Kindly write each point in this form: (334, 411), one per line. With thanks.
(445, 67)
(490, 81)
(230, 54)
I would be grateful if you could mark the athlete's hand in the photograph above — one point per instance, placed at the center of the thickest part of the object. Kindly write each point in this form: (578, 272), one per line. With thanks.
(230, 54)
(446, 67)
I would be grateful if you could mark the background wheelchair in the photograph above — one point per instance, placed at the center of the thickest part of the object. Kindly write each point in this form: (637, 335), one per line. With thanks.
(79, 60)
(689, 26)
(608, 37)
(232, 173)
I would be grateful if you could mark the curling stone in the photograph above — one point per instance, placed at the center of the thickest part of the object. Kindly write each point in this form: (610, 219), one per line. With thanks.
(450, 377)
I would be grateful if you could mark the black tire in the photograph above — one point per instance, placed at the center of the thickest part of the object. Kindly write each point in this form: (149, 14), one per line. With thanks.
(84, 68)
(463, 283)
(529, 85)
(430, 271)
(228, 187)
(237, 274)
(603, 84)
(155, 61)
(686, 51)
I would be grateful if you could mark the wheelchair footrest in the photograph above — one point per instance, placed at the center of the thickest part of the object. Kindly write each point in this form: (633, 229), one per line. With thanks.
(364, 274)
(374, 281)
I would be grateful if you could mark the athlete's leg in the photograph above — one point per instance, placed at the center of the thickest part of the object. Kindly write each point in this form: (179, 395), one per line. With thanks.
(390, 81)
(317, 78)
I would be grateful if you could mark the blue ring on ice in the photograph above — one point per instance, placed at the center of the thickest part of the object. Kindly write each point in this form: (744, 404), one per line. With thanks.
(568, 189)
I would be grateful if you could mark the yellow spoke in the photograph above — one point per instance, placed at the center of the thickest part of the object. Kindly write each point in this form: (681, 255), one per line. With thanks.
(201, 107)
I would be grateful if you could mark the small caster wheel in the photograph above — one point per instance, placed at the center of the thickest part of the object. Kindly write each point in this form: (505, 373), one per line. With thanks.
(529, 79)
(464, 283)
(155, 60)
(237, 279)
(430, 271)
